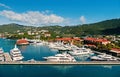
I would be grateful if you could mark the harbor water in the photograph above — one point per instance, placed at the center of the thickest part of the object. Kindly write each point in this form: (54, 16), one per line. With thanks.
(36, 52)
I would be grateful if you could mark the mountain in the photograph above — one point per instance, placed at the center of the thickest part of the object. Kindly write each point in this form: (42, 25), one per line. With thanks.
(105, 27)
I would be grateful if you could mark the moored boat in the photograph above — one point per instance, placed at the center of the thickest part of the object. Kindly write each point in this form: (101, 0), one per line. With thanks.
(16, 54)
(1, 54)
(64, 57)
(103, 57)
(80, 51)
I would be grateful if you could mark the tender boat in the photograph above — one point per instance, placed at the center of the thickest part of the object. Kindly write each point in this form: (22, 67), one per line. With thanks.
(16, 54)
(64, 57)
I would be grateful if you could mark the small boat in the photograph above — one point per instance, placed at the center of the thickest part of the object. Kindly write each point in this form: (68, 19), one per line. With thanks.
(16, 54)
(64, 57)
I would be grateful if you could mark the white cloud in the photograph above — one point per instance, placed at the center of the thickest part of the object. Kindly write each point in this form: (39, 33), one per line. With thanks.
(82, 19)
(5, 6)
(32, 17)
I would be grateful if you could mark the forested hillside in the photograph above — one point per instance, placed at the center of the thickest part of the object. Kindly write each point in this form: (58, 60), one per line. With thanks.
(104, 27)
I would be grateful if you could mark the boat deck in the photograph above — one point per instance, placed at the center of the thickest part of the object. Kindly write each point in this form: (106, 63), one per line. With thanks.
(7, 57)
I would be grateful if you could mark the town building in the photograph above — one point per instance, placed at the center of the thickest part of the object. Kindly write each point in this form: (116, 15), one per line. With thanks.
(91, 40)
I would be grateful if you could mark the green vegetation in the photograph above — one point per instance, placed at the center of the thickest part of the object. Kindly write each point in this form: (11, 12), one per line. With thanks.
(107, 27)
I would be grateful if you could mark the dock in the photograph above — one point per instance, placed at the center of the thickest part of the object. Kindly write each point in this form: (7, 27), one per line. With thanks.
(61, 63)
(7, 57)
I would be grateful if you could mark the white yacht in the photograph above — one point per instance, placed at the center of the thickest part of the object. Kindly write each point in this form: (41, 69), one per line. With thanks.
(103, 57)
(16, 54)
(59, 46)
(80, 51)
(35, 42)
(64, 57)
(1, 54)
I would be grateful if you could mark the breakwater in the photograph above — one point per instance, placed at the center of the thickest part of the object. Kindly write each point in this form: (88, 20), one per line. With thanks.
(61, 63)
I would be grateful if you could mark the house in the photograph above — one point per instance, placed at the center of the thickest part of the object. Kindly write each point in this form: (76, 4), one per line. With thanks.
(115, 51)
(22, 42)
(47, 34)
(69, 39)
(91, 40)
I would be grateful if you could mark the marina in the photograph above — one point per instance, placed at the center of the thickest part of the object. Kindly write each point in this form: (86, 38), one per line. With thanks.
(59, 38)
(9, 61)
(55, 58)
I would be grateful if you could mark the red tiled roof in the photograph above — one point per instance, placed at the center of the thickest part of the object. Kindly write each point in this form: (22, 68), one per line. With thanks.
(96, 39)
(22, 41)
(68, 39)
(115, 50)
(90, 45)
(76, 39)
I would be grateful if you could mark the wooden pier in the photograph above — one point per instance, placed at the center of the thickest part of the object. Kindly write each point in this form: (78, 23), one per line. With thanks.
(7, 57)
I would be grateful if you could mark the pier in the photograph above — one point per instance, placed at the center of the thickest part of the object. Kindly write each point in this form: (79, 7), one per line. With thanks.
(7, 57)
(60, 63)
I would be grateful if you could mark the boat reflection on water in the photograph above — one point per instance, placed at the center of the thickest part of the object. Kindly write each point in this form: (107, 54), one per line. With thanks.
(23, 47)
(107, 66)
(63, 68)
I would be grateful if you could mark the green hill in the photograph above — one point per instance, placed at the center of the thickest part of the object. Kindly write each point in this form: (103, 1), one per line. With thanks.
(105, 27)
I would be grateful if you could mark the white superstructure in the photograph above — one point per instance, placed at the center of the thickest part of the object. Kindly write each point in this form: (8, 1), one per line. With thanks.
(1, 54)
(64, 57)
(80, 51)
(103, 57)
(16, 54)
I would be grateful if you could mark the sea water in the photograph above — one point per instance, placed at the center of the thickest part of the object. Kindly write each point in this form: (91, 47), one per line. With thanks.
(59, 71)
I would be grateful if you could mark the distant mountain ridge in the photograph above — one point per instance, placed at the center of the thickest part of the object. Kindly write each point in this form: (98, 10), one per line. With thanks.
(105, 27)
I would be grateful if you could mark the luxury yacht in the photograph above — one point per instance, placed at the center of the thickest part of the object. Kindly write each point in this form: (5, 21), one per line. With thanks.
(103, 57)
(1, 54)
(80, 51)
(59, 46)
(64, 57)
(16, 54)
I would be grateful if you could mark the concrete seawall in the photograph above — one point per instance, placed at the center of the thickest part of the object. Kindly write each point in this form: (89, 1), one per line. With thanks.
(60, 63)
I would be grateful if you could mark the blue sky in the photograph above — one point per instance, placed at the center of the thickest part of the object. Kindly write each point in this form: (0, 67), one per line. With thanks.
(61, 12)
